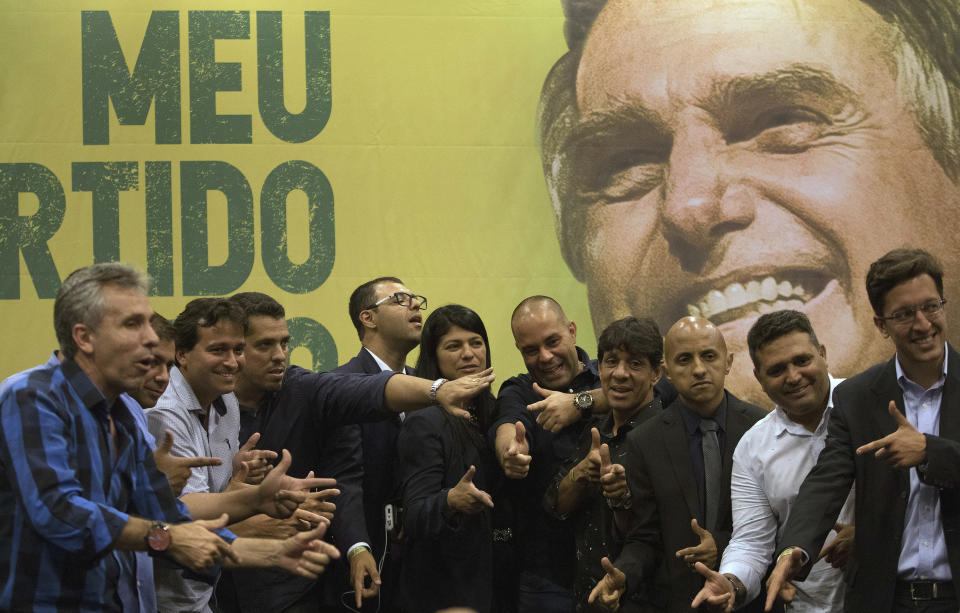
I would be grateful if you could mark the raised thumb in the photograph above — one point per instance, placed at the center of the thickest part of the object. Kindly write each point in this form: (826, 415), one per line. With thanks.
(167, 443)
(541, 391)
(604, 457)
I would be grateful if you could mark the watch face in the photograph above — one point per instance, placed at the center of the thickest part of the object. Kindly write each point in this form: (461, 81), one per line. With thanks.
(583, 400)
(158, 538)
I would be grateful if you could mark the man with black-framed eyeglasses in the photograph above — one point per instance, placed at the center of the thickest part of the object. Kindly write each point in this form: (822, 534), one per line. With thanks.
(895, 430)
(404, 299)
(388, 317)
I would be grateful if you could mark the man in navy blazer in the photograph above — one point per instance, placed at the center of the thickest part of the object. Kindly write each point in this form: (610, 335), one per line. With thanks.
(388, 320)
(895, 430)
(299, 410)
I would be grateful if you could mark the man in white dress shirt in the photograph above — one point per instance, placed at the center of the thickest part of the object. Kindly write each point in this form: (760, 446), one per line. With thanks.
(769, 465)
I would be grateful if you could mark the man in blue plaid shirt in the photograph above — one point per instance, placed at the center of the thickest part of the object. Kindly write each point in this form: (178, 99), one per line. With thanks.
(78, 478)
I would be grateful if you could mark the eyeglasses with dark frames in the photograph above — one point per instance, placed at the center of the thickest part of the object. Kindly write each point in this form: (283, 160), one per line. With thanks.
(930, 310)
(403, 299)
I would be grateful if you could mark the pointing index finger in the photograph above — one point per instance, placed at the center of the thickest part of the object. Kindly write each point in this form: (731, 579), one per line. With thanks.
(201, 461)
(873, 445)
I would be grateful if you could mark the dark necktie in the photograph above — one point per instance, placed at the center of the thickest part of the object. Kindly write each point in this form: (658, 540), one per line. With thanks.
(712, 470)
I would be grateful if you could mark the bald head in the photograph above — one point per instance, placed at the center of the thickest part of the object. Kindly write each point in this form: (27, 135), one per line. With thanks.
(697, 363)
(537, 306)
(547, 341)
(693, 326)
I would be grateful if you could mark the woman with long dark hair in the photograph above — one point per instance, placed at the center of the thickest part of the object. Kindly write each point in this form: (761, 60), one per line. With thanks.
(446, 470)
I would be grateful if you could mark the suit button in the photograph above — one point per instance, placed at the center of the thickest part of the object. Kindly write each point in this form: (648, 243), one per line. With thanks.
(903, 495)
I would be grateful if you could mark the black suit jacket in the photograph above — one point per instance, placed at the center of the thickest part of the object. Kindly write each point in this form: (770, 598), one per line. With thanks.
(303, 417)
(379, 460)
(860, 415)
(665, 499)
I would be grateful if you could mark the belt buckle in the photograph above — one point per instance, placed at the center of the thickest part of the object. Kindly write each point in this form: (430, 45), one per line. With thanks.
(923, 590)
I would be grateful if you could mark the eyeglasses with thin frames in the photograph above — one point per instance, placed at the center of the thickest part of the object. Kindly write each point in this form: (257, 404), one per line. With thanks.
(906, 315)
(403, 299)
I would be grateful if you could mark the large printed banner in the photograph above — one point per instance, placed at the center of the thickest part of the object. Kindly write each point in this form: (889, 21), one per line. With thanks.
(719, 159)
(227, 147)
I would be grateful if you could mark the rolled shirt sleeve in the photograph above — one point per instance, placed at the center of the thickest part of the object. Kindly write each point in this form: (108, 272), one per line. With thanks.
(754, 524)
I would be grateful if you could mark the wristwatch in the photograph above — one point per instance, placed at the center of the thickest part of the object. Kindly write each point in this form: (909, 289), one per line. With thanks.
(433, 389)
(583, 401)
(158, 538)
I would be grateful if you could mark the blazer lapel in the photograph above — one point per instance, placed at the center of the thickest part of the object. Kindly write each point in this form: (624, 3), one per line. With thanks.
(370, 367)
(950, 405)
(886, 388)
(276, 424)
(675, 441)
(367, 362)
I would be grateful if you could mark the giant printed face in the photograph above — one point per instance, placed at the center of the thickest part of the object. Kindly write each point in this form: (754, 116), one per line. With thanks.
(733, 158)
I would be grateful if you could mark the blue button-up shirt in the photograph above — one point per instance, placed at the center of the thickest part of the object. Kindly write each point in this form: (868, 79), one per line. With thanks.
(135, 587)
(924, 552)
(66, 492)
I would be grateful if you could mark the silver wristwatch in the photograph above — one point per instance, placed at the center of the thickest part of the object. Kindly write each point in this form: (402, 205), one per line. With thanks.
(433, 389)
(583, 401)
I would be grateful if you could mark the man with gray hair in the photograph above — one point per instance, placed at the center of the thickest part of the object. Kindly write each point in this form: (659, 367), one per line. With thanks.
(726, 159)
(79, 478)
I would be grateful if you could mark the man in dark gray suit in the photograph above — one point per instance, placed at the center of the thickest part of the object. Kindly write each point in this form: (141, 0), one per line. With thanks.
(895, 430)
(678, 467)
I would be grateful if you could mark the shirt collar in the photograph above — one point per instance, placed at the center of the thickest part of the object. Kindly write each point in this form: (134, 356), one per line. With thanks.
(589, 376)
(383, 365)
(691, 419)
(92, 398)
(902, 377)
(183, 390)
(606, 426)
(785, 424)
(220, 406)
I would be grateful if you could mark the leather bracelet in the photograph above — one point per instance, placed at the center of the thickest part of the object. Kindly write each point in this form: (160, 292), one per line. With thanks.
(739, 589)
